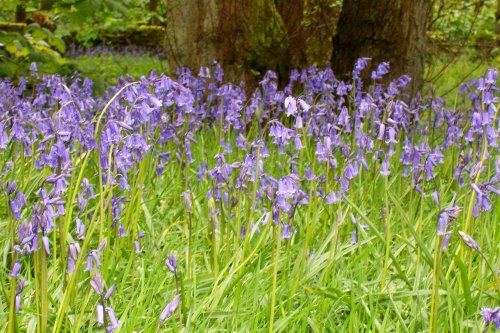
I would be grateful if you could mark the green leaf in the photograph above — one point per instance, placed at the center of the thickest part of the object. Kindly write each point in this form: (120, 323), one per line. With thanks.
(8, 69)
(465, 281)
(17, 49)
(37, 32)
(9, 37)
(58, 43)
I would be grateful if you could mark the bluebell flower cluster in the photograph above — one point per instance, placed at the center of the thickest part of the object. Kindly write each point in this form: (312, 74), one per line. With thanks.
(349, 130)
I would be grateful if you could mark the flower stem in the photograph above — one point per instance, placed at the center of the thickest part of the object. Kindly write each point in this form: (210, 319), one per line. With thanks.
(435, 284)
(276, 253)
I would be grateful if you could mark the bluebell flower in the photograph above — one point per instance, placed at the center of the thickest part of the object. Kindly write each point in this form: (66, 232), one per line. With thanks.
(169, 309)
(287, 231)
(469, 241)
(15, 269)
(491, 315)
(20, 288)
(382, 69)
(100, 314)
(171, 263)
(114, 322)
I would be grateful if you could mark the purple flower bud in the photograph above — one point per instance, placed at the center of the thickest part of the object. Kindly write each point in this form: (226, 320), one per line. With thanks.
(187, 201)
(137, 246)
(385, 168)
(361, 63)
(474, 171)
(298, 122)
(94, 255)
(102, 246)
(491, 315)
(492, 189)
(265, 218)
(309, 174)
(255, 228)
(114, 323)
(304, 105)
(381, 131)
(202, 168)
(33, 69)
(291, 106)
(169, 309)
(446, 240)
(442, 224)
(11, 187)
(20, 287)
(97, 283)
(469, 241)
(171, 263)
(109, 292)
(276, 214)
(74, 249)
(298, 143)
(332, 198)
(46, 244)
(485, 203)
(100, 314)
(453, 211)
(391, 136)
(18, 302)
(476, 189)
(354, 236)
(15, 269)
(435, 197)
(15, 208)
(121, 231)
(491, 76)
(287, 231)
(71, 265)
(81, 202)
(419, 189)
(382, 69)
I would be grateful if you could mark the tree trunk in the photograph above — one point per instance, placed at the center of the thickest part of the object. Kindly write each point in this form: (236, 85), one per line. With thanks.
(46, 5)
(152, 5)
(498, 11)
(292, 12)
(320, 21)
(246, 36)
(497, 25)
(384, 30)
(20, 14)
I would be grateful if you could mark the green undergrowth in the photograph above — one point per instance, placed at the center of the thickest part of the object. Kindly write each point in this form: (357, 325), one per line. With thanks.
(316, 281)
(447, 72)
(393, 277)
(105, 70)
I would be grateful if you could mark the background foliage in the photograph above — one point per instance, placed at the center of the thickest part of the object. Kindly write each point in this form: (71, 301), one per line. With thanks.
(459, 31)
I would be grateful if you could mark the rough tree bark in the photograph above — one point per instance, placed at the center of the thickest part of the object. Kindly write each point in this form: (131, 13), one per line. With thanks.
(292, 13)
(153, 5)
(46, 5)
(246, 36)
(320, 21)
(20, 13)
(497, 26)
(384, 30)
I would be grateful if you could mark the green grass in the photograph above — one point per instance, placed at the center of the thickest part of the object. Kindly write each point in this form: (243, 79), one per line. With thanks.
(394, 279)
(105, 70)
(447, 72)
(317, 281)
